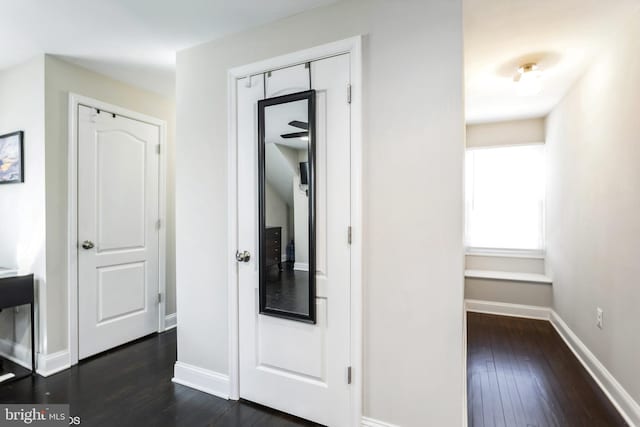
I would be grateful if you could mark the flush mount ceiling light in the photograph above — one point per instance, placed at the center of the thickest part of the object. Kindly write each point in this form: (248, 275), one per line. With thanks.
(528, 79)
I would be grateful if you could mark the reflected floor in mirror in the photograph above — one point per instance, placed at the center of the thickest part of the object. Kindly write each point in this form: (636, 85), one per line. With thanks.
(288, 290)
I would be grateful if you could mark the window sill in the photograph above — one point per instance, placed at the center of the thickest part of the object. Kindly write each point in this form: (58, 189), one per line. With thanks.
(508, 276)
(506, 253)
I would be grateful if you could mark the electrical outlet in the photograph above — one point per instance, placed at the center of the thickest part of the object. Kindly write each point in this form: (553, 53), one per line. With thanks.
(599, 317)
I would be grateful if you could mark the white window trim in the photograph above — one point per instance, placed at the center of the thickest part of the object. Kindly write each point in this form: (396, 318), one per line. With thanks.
(509, 276)
(506, 253)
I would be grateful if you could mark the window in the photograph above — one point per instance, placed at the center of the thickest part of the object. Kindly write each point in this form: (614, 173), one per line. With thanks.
(505, 198)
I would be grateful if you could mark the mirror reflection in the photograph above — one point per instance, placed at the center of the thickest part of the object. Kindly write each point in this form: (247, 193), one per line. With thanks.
(286, 283)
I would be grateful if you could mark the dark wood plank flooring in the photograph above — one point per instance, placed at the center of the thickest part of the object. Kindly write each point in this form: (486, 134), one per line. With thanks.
(521, 373)
(288, 290)
(131, 386)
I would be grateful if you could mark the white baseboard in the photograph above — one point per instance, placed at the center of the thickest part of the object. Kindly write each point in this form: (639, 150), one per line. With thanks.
(506, 309)
(625, 404)
(370, 422)
(301, 266)
(46, 364)
(619, 397)
(170, 321)
(49, 364)
(17, 353)
(201, 379)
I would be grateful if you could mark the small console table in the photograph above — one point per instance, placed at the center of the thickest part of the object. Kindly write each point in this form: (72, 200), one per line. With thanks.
(15, 291)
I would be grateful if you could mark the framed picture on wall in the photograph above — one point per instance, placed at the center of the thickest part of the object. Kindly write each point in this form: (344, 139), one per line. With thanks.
(12, 158)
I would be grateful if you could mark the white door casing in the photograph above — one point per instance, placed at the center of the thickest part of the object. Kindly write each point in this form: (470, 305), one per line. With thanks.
(118, 215)
(297, 367)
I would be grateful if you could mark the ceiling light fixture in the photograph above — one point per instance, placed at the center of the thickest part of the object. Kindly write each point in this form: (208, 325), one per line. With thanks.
(528, 79)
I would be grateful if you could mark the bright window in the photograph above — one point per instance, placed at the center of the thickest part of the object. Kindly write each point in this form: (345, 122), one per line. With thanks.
(505, 198)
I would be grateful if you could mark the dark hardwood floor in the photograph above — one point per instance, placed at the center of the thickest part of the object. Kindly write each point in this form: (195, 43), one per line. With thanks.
(288, 290)
(521, 373)
(131, 386)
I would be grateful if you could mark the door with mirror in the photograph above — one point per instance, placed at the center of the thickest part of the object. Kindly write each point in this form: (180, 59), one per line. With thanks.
(294, 214)
(286, 147)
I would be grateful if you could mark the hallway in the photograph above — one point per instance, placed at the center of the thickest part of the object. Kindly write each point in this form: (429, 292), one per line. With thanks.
(130, 386)
(521, 373)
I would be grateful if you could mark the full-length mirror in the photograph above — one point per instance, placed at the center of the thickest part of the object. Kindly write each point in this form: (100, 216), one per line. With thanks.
(287, 206)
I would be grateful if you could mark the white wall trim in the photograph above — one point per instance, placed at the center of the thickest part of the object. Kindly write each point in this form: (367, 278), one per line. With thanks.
(506, 309)
(15, 352)
(301, 266)
(233, 325)
(72, 219)
(170, 321)
(508, 276)
(46, 364)
(201, 379)
(505, 253)
(370, 422)
(616, 393)
(49, 364)
(163, 217)
(353, 46)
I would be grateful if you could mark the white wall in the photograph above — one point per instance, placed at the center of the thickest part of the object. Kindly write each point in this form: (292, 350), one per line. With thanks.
(593, 232)
(510, 132)
(413, 156)
(277, 214)
(22, 206)
(61, 78)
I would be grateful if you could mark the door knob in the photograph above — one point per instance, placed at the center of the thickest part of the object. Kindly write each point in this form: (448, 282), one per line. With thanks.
(87, 244)
(243, 256)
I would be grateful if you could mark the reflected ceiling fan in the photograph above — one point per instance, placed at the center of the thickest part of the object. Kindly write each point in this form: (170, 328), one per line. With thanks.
(300, 125)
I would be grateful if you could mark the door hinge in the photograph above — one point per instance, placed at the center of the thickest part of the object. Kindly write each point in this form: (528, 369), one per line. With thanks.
(159, 298)
(348, 374)
(158, 224)
(158, 148)
(349, 93)
(349, 234)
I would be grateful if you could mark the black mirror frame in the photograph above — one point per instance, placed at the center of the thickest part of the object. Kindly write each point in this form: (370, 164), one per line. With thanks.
(310, 96)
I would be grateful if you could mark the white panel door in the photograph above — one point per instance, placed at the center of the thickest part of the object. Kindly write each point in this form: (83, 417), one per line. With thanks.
(118, 188)
(297, 367)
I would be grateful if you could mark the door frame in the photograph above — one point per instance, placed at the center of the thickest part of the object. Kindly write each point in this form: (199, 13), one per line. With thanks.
(352, 46)
(75, 101)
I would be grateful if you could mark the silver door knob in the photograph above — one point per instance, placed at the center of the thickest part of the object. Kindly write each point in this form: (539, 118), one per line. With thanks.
(243, 256)
(87, 244)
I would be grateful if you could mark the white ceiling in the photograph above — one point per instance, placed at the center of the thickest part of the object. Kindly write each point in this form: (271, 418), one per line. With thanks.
(131, 40)
(563, 36)
(276, 123)
(282, 156)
